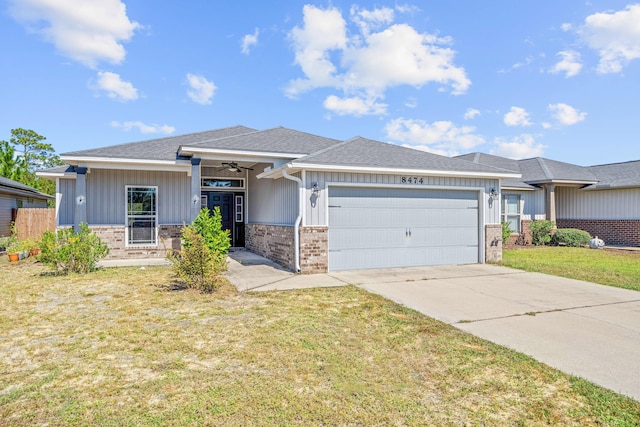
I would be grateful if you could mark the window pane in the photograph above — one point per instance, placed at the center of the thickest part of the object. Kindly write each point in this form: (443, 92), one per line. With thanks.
(142, 231)
(141, 215)
(141, 201)
(514, 223)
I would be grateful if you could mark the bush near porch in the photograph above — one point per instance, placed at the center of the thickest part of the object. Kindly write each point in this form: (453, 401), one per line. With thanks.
(607, 267)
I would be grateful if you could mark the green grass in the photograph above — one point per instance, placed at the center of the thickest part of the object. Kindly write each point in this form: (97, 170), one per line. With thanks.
(613, 268)
(119, 347)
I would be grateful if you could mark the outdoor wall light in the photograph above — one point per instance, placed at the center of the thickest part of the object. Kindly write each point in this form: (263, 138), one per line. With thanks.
(493, 192)
(315, 188)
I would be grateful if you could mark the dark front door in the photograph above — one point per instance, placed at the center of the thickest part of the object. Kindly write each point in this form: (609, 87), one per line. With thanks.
(225, 202)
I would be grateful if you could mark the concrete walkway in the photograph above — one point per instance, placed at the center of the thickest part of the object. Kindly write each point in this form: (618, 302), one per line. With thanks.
(588, 330)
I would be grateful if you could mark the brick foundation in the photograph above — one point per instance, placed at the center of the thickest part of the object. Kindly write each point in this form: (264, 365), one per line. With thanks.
(314, 249)
(272, 241)
(492, 242)
(114, 237)
(524, 238)
(619, 232)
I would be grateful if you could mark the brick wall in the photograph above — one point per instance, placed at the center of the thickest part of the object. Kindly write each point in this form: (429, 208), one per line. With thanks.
(272, 241)
(619, 232)
(524, 238)
(314, 249)
(493, 242)
(114, 237)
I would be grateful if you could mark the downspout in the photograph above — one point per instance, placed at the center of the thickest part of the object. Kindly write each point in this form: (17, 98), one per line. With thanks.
(296, 227)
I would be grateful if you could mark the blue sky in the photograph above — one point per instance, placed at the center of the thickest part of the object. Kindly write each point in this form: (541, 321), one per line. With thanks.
(518, 79)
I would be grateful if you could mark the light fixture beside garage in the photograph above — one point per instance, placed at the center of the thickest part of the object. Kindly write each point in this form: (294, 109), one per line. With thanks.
(315, 188)
(493, 192)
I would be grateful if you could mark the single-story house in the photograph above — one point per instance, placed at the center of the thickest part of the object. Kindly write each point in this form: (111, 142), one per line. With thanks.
(14, 195)
(310, 203)
(603, 200)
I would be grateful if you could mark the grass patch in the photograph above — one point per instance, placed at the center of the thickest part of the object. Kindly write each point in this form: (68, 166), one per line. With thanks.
(612, 268)
(122, 347)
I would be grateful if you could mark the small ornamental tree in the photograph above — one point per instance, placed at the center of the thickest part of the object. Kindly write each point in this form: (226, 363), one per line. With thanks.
(203, 256)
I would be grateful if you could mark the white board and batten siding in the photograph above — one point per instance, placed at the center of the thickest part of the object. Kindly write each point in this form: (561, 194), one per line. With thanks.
(106, 196)
(316, 209)
(574, 203)
(271, 201)
(532, 201)
(377, 220)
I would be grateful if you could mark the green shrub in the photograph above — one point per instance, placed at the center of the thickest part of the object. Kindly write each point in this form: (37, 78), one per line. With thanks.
(571, 237)
(196, 265)
(210, 228)
(506, 232)
(67, 251)
(541, 232)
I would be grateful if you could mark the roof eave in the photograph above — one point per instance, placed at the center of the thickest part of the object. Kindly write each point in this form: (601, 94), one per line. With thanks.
(275, 173)
(20, 192)
(124, 163)
(567, 182)
(211, 152)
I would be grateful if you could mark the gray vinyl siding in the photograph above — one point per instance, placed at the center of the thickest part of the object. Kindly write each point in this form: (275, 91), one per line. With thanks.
(271, 201)
(533, 203)
(66, 204)
(106, 195)
(7, 202)
(573, 203)
(316, 208)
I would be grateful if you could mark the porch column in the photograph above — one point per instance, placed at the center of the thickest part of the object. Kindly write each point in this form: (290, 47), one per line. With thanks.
(550, 202)
(195, 187)
(80, 210)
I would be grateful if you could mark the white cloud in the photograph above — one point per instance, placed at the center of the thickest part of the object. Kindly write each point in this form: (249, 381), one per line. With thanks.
(615, 36)
(250, 40)
(519, 147)
(115, 87)
(570, 64)
(441, 137)
(517, 116)
(86, 31)
(407, 8)
(201, 90)
(471, 113)
(143, 128)
(412, 102)
(354, 106)
(368, 20)
(565, 114)
(329, 58)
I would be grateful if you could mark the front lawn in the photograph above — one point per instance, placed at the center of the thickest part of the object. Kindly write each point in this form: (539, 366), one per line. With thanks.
(120, 347)
(613, 268)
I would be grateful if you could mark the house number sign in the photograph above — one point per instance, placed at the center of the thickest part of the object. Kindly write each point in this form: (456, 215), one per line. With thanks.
(411, 180)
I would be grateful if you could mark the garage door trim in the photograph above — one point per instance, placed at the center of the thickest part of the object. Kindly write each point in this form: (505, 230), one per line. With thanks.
(480, 198)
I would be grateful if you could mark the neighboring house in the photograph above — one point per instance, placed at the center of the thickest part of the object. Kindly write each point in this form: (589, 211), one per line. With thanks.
(310, 203)
(603, 200)
(15, 195)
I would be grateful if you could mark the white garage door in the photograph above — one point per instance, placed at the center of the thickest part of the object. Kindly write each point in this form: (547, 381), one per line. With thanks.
(379, 227)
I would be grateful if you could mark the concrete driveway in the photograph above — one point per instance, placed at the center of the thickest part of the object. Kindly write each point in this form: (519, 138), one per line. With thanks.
(588, 330)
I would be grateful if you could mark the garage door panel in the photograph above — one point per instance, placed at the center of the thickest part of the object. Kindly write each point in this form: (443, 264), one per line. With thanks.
(376, 227)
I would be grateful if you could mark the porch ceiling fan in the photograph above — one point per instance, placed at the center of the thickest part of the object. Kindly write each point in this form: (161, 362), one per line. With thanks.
(233, 167)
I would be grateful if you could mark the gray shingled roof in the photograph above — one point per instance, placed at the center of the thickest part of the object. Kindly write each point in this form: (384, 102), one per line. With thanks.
(617, 175)
(499, 162)
(540, 170)
(159, 149)
(544, 170)
(368, 153)
(9, 184)
(278, 140)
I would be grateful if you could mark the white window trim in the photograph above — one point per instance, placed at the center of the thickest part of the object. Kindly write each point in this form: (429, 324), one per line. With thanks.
(126, 217)
(504, 214)
(240, 178)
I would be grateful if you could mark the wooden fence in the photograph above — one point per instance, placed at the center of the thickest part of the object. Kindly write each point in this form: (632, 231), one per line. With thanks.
(33, 222)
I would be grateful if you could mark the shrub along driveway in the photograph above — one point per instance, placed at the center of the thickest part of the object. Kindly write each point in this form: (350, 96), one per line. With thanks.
(581, 328)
